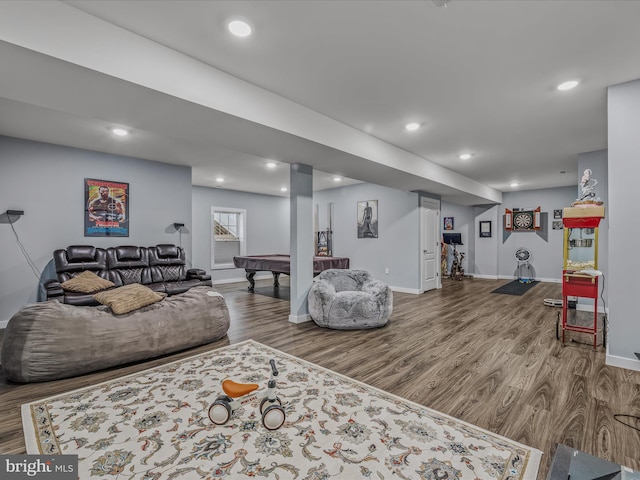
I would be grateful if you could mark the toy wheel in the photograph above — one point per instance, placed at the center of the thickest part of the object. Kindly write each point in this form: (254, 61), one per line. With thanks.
(220, 411)
(273, 417)
(264, 403)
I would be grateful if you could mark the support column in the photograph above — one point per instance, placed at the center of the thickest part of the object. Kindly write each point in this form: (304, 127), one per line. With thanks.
(301, 240)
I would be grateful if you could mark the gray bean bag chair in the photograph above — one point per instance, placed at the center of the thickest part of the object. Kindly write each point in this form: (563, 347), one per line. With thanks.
(52, 340)
(349, 299)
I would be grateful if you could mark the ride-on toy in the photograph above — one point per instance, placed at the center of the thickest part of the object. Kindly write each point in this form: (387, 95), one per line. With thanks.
(238, 394)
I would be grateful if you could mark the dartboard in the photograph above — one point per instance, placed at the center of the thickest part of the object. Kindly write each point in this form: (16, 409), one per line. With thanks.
(522, 220)
(522, 254)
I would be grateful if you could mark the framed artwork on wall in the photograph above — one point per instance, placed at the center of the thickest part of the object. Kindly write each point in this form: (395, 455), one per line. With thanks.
(367, 219)
(106, 208)
(448, 223)
(557, 214)
(485, 229)
(557, 224)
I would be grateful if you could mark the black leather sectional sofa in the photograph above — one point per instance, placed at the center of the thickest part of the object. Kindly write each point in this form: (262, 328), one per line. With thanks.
(162, 268)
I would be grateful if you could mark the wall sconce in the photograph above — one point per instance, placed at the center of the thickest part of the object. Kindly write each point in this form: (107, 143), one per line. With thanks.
(178, 226)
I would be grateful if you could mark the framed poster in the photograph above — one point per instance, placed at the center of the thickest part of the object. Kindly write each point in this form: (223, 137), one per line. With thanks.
(485, 229)
(106, 208)
(368, 219)
(557, 214)
(448, 223)
(557, 224)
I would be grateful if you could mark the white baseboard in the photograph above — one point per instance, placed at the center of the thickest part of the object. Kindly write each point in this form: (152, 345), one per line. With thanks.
(511, 277)
(589, 308)
(299, 318)
(550, 280)
(622, 362)
(546, 280)
(415, 291)
(259, 276)
(4, 323)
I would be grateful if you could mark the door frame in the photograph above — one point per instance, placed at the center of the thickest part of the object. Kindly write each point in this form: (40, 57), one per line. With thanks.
(430, 204)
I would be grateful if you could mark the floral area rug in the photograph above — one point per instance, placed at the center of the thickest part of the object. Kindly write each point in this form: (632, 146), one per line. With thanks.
(154, 425)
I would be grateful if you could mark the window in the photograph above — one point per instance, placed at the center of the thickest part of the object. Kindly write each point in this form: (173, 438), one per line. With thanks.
(228, 239)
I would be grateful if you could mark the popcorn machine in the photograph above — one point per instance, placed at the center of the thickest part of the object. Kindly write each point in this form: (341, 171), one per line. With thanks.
(580, 274)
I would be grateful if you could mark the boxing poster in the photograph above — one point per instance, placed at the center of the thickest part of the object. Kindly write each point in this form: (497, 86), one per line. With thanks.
(107, 206)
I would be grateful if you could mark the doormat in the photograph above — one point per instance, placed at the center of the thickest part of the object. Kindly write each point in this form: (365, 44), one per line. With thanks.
(515, 288)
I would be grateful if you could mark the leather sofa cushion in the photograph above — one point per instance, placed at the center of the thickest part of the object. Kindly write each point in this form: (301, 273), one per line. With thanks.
(78, 258)
(81, 253)
(86, 282)
(174, 288)
(167, 251)
(127, 253)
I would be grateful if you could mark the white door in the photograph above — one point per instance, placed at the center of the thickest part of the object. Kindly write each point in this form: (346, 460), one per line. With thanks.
(430, 254)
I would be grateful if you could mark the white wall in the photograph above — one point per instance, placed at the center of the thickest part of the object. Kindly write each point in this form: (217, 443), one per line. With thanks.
(47, 182)
(398, 244)
(267, 226)
(624, 229)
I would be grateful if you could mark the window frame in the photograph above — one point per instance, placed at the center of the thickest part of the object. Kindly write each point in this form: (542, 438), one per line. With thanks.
(242, 228)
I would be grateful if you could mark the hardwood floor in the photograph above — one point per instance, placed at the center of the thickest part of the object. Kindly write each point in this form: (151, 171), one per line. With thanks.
(488, 359)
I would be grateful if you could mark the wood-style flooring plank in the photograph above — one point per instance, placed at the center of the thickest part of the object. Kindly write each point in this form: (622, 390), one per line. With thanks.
(488, 359)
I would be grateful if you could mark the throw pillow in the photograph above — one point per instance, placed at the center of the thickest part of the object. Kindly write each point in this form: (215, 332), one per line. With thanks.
(86, 282)
(128, 298)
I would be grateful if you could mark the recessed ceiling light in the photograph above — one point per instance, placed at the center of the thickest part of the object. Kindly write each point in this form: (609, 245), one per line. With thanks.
(283, 189)
(219, 179)
(514, 184)
(465, 156)
(412, 127)
(271, 165)
(337, 179)
(568, 85)
(121, 132)
(239, 28)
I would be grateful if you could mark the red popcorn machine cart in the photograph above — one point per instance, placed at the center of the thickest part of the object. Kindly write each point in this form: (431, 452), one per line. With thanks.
(580, 275)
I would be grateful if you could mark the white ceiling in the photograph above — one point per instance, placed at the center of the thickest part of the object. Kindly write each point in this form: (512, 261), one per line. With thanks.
(479, 75)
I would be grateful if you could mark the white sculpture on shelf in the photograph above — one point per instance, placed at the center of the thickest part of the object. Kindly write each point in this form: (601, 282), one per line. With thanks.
(587, 190)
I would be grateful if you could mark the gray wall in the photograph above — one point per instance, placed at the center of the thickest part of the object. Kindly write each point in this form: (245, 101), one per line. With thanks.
(398, 244)
(267, 226)
(598, 163)
(47, 182)
(396, 248)
(547, 256)
(487, 248)
(463, 222)
(624, 229)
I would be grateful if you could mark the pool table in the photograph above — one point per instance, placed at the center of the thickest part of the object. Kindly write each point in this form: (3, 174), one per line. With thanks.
(277, 264)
